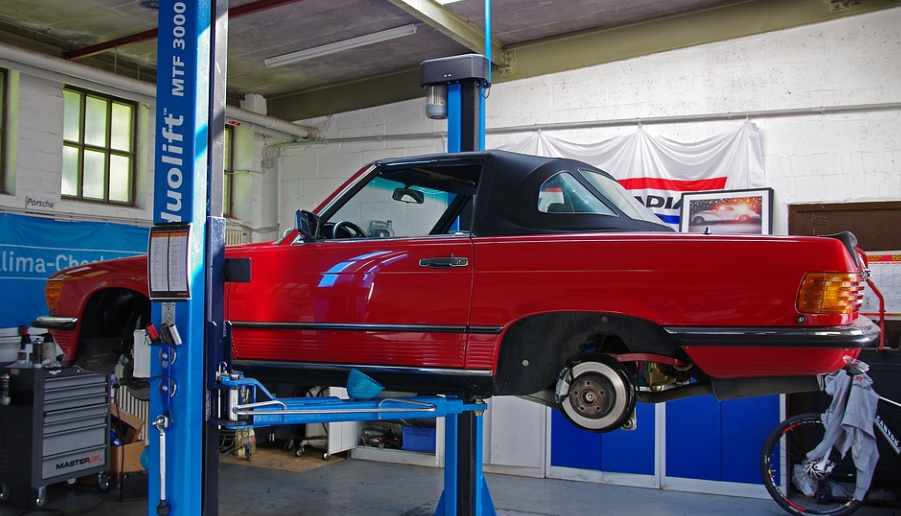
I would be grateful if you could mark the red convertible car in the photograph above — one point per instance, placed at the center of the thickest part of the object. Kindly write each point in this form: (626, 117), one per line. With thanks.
(492, 273)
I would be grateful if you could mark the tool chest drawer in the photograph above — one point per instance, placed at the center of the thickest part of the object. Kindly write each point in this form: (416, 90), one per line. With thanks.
(68, 419)
(62, 393)
(75, 439)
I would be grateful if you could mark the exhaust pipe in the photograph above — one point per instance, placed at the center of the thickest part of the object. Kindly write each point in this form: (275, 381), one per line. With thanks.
(731, 389)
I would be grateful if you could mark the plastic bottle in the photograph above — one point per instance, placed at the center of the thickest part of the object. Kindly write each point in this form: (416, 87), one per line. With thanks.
(4, 390)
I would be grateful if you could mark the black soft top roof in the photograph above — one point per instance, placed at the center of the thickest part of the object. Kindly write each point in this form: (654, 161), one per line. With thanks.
(508, 184)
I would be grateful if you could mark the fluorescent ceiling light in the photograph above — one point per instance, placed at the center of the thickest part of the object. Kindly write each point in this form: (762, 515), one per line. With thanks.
(340, 46)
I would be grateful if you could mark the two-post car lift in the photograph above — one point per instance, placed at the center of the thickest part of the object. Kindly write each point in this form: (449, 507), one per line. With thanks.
(186, 275)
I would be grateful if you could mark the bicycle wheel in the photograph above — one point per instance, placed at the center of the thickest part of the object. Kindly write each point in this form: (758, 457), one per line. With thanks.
(801, 486)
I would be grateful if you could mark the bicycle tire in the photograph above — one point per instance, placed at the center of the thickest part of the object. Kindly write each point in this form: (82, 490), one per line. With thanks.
(796, 436)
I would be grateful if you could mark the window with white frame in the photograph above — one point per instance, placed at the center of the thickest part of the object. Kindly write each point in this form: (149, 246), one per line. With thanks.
(98, 147)
(227, 196)
(3, 131)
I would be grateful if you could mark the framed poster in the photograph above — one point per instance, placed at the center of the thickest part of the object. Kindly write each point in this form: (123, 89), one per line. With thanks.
(728, 211)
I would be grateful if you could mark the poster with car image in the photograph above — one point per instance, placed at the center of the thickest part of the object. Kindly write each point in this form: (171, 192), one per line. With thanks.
(728, 211)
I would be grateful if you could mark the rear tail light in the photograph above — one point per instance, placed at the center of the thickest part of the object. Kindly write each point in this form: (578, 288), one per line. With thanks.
(831, 293)
(52, 293)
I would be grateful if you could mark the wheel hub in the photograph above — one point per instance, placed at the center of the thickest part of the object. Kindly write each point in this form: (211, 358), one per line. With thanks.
(596, 394)
(591, 396)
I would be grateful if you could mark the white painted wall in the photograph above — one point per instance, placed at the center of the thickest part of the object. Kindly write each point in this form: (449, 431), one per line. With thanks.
(850, 157)
(34, 163)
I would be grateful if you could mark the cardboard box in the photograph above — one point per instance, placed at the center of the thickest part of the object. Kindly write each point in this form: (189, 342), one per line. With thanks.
(127, 426)
(127, 457)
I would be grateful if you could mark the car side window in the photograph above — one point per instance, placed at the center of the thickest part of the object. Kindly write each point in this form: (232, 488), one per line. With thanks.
(619, 197)
(563, 193)
(386, 208)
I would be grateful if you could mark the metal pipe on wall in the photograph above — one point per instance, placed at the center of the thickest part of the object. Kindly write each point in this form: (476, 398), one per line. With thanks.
(620, 122)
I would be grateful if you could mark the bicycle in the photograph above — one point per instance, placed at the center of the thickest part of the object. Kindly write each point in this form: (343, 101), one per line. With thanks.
(829, 481)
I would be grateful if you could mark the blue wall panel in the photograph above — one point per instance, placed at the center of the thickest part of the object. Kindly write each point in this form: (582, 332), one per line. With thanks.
(705, 440)
(693, 438)
(746, 423)
(632, 451)
(615, 452)
(720, 441)
(571, 447)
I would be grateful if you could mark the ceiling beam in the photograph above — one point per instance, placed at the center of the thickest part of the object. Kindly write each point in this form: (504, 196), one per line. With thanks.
(720, 22)
(348, 96)
(452, 25)
(151, 34)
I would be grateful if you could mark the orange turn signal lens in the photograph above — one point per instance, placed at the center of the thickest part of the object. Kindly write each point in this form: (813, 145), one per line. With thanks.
(52, 292)
(831, 293)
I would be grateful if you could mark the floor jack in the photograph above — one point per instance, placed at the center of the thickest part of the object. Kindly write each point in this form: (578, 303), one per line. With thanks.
(465, 489)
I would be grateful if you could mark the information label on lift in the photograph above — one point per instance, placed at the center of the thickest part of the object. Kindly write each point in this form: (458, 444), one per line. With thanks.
(167, 262)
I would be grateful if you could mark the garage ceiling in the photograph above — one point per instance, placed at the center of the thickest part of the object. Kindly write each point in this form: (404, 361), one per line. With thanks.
(530, 37)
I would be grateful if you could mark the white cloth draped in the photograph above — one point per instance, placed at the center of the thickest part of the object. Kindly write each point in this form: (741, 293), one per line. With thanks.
(657, 170)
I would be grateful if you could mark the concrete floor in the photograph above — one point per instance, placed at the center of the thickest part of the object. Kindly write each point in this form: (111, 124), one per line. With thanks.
(355, 487)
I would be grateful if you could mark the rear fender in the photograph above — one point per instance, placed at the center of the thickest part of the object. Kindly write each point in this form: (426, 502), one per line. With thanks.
(535, 349)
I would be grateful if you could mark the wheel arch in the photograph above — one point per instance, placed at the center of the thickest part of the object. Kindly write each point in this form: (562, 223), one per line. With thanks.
(107, 320)
(535, 349)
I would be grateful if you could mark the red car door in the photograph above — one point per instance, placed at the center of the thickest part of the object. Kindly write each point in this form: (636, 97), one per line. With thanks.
(375, 301)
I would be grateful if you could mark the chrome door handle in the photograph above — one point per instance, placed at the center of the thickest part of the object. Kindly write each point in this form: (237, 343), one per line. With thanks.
(443, 263)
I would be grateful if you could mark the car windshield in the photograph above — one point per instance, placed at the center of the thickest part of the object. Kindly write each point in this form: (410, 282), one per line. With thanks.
(409, 201)
(620, 197)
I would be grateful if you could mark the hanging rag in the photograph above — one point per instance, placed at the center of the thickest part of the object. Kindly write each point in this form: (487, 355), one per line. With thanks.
(849, 425)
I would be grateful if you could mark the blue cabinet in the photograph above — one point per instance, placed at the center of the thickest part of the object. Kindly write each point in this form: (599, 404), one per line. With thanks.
(701, 439)
(719, 441)
(615, 452)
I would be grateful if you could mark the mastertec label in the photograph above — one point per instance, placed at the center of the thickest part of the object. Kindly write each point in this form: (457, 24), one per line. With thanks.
(73, 462)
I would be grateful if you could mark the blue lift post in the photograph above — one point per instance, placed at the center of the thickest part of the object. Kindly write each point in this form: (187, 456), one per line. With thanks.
(465, 79)
(186, 273)
(186, 253)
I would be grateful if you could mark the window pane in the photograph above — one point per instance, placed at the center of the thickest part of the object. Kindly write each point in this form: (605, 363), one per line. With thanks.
(227, 143)
(121, 137)
(2, 93)
(99, 145)
(374, 209)
(227, 195)
(71, 116)
(94, 165)
(70, 170)
(96, 111)
(119, 178)
(620, 197)
(227, 201)
(2, 132)
(564, 194)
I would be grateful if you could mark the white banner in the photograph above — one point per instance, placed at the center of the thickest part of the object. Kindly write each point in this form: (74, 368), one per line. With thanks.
(657, 170)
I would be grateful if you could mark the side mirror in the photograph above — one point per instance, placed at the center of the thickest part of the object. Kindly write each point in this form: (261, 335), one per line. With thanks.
(408, 195)
(307, 224)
